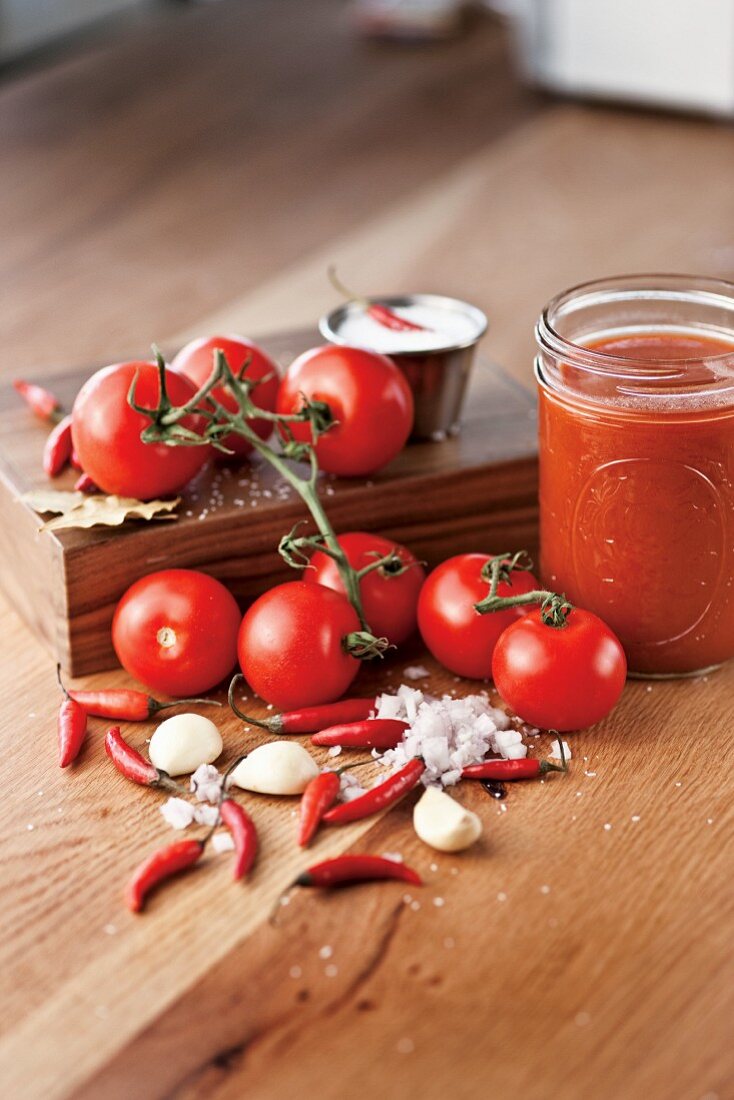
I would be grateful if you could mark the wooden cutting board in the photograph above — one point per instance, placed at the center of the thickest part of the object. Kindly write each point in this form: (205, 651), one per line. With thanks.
(478, 488)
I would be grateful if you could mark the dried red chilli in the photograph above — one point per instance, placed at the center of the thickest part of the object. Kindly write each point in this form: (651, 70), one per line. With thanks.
(377, 311)
(57, 449)
(374, 733)
(72, 727)
(159, 866)
(244, 834)
(309, 719)
(41, 401)
(84, 484)
(529, 768)
(127, 705)
(356, 868)
(380, 797)
(130, 763)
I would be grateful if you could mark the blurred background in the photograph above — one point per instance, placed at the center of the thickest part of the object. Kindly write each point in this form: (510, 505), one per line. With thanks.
(172, 167)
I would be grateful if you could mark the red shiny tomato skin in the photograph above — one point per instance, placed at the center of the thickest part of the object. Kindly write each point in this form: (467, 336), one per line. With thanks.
(196, 361)
(106, 433)
(368, 396)
(390, 602)
(290, 645)
(459, 637)
(561, 678)
(176, 631)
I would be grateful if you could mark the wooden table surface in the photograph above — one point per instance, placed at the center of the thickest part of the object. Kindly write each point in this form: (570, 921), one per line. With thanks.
(583, 949)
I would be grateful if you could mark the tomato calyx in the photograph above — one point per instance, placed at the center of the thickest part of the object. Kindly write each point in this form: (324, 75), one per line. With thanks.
(554, 608)
(365, 646)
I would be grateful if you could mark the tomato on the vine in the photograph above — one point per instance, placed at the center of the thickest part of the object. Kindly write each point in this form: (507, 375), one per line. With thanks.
(369, 398)
(196, 361)
(389, 594)
(106, 433)
(559, 677)
(176, 631)
(291, 645)
(459, 637)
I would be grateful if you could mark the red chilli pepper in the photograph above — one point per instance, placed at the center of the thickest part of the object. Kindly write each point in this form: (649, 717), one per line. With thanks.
(378, 312)
(361, 868)
(72, 727)
(374, 733)
(309, 719)
(132, 765)
(318, 796)
(84, 484)
(39, 400)
(244, 834)
(161, 865)
(57, 450)
(379, 797)
(75, 462)
(529, 768)
(127, 705)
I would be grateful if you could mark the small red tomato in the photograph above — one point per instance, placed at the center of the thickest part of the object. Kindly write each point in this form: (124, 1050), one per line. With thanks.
(389, 599)
(106, 433)
(561, 678)
(196, 361)
(370, 401)
(291, 645)
(459, 637)
(176, 631)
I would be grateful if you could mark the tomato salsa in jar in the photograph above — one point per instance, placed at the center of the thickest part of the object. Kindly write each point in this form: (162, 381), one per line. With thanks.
(636, 427)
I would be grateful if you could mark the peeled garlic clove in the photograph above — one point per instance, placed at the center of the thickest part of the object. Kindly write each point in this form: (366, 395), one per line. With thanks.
(183, 742)
(278, 767)
(443, 823)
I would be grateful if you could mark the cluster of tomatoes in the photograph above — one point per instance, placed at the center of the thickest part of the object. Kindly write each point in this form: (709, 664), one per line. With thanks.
(180, 631)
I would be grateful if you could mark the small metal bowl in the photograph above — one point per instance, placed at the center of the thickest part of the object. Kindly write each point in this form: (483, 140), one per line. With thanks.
(437, 376)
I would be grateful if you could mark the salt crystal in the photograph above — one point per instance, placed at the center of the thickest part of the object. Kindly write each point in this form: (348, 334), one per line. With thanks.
(405, 1046)
(177, 812)
(326, 951)
(607, 827)
(502, 896)
(545, 889)
(30, 828)
(295, 972)
(110, 929)
(395, 857)
(438, 902)
(331, 971)
(335, 750)
(635, 817)
(590, 775)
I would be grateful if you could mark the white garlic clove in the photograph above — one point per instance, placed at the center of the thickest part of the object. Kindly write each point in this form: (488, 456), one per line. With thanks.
(278, 767)
(183, 742)
(443, 823)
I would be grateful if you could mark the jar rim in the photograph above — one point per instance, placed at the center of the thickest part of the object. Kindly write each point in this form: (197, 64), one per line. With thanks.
(710, 290)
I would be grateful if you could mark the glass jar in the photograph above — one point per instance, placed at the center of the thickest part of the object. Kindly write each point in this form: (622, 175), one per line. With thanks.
(636, 425)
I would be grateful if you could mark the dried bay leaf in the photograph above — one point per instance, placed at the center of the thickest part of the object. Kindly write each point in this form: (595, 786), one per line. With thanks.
(79, 510)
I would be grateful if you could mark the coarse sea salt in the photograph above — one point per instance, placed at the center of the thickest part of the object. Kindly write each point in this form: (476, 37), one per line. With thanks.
(447, 733)
(222, 842)
(555, 750)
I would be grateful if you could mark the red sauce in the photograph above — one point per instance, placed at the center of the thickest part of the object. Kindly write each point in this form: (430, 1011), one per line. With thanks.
(637, 501)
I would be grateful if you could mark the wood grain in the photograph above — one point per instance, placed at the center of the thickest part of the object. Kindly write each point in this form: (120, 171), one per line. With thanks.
(617, 981)
(476, 489)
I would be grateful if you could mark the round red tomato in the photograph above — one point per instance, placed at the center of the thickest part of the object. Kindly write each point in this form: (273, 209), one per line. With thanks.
(459, 637)
(561, 678)
(176, 631)
(370, 401)
(389, 599)
(196, 361)
(106, 433)
(290, 645)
